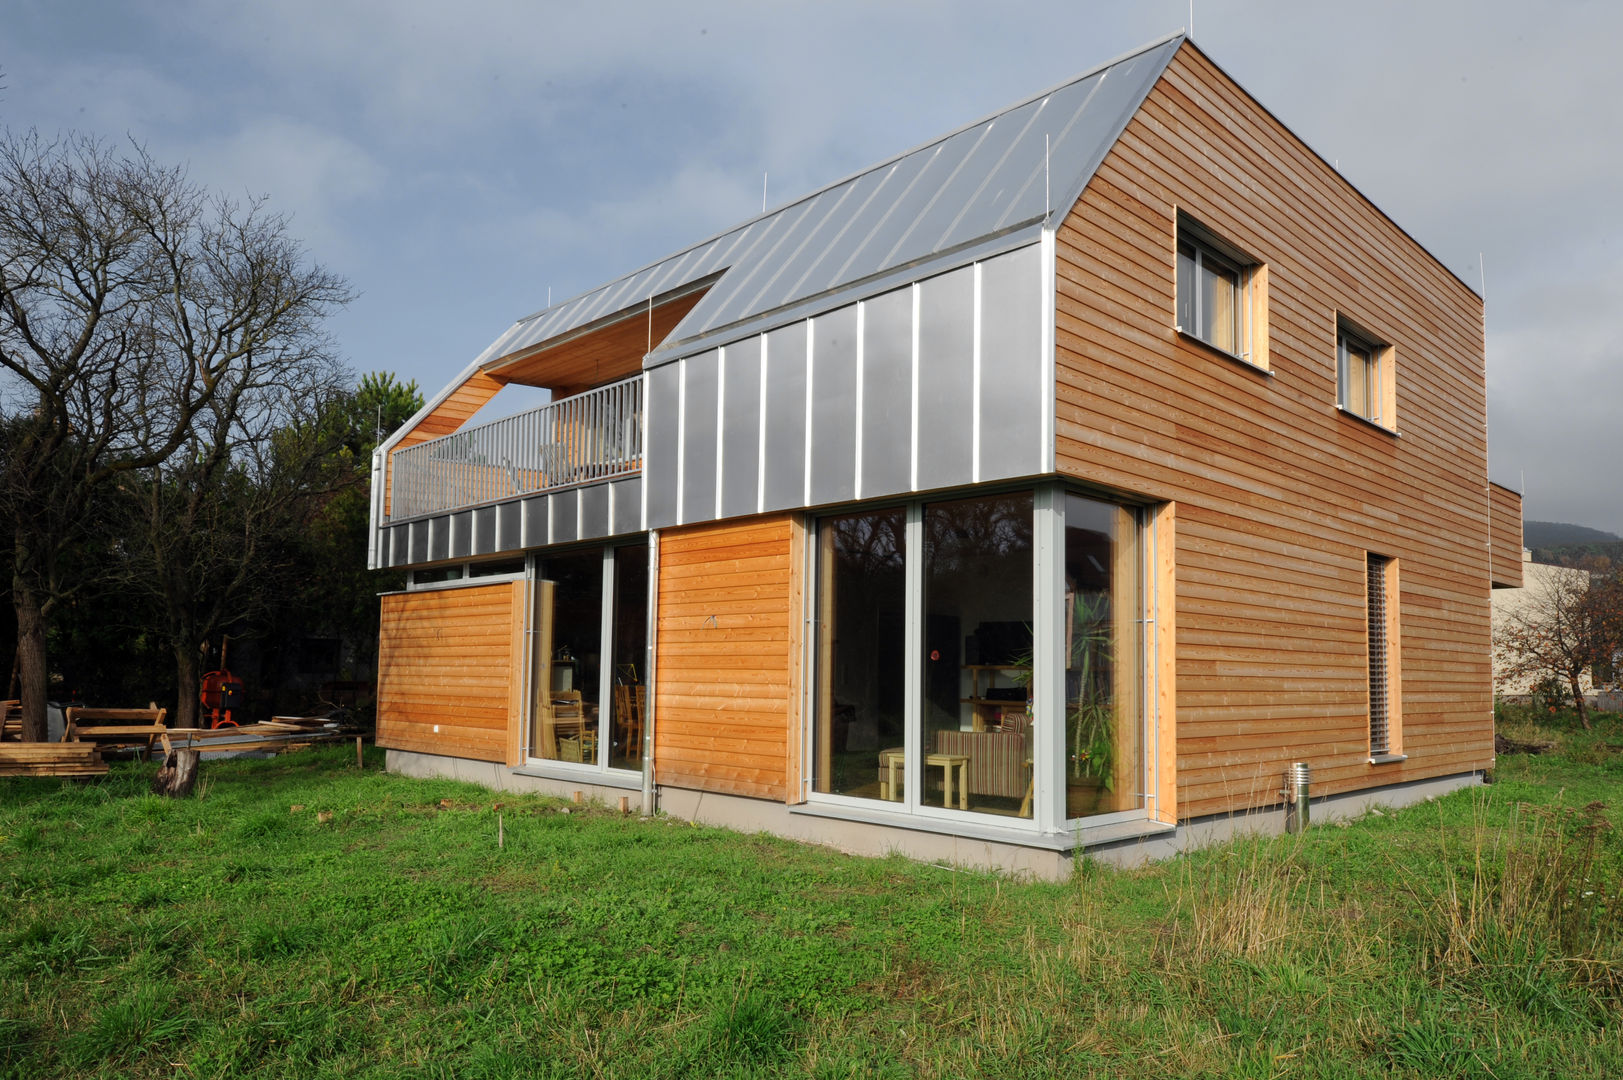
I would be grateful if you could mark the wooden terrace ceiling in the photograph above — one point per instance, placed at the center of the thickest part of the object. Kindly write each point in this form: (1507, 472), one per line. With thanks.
(598, 355)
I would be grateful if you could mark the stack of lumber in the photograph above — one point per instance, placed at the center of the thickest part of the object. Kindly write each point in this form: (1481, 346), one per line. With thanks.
(11, 721)
(280, 733)
(51, 759)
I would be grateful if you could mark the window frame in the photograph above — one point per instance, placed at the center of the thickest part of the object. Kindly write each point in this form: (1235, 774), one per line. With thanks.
(599, 770)
(1250, 293)
(1048, 816)
(1383, 659)
(1380, 377)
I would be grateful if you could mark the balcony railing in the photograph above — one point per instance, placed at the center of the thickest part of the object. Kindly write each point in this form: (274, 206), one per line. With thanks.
(591, 436)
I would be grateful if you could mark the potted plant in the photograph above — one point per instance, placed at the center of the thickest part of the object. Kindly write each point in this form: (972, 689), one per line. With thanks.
(1090, 712)
(1090, 715)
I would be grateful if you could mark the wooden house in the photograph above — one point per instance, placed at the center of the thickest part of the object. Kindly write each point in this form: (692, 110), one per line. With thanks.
(1103, 457)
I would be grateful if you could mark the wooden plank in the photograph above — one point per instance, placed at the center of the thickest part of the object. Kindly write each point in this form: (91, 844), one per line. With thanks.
(451, 659)
(728, 661)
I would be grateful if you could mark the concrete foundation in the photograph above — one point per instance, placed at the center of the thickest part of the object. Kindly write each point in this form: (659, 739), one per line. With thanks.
(1046, 857)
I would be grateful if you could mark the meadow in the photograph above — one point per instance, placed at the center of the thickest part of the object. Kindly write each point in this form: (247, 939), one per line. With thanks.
(300, 917)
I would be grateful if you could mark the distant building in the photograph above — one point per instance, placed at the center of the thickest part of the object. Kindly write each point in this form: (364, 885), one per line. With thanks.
(1538, 579)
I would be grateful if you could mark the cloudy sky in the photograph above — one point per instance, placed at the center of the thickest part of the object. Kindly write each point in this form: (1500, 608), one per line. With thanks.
(458, 161)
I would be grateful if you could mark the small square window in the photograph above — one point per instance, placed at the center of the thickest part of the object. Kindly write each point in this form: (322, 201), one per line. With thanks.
(1363, 376)
(1218, 289)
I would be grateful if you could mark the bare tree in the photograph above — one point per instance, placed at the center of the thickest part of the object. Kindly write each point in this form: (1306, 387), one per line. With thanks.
(213, 528)
(1563, 626)
(129, 303)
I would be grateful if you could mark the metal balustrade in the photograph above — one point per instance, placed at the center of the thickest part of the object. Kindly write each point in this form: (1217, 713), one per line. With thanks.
(591, 436)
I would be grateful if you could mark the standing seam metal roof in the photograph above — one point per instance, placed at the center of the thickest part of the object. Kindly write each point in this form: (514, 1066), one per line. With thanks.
(1023, 165)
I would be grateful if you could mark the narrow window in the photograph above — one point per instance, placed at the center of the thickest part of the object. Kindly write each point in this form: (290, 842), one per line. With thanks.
(861, 628)
(568, 645)
(1382, 630)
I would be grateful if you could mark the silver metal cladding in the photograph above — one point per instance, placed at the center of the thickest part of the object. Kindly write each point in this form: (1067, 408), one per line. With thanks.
(741, 428)
(784, 371)
(594, 511)
(699, 407)
(946, 332)
(832, 444)
(887, 395)
(664, 419)
(860, 377)
(1011, 398)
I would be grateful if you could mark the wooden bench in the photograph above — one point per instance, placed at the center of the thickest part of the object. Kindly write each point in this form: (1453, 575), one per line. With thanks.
(11, 721)
(51, 759)
(115, 727)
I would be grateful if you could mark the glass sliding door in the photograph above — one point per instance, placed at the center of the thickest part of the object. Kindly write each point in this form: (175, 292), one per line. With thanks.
(566, 666)
(977, 664)
(1104, 732)
(630, 680)
(860, 691)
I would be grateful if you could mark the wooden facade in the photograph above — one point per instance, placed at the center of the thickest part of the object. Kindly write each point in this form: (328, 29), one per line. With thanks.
(1280, 495)
(728, 669)
(1505, 518)
(451, 672)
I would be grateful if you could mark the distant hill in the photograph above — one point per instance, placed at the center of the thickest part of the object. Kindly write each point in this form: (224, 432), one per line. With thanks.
(1550, 534)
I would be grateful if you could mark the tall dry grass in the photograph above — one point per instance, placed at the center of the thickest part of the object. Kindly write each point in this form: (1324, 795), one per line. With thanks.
(1545, 889)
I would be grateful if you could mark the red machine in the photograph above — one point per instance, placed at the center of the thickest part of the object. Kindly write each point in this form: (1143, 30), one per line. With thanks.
(222, 694)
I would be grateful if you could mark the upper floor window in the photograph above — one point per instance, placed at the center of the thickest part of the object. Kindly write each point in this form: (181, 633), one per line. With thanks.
(1217, 292)
(1364, 379)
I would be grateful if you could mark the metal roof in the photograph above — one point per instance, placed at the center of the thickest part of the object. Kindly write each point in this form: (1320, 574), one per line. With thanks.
(926, 209)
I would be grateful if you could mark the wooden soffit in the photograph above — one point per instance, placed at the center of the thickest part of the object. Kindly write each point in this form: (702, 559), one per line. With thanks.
(611, 349)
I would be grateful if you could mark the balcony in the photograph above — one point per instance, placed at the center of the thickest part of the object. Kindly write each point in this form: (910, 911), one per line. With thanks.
(592, 436)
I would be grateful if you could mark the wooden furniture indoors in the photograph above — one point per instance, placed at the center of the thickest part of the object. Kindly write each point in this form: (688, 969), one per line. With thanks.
(576, 733)
(896, 758)
(630, 703)
(988, 699)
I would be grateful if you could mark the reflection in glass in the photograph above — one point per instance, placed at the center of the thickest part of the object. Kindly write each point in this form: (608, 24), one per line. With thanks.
(630, 656)
(861, 629)
(1208, 296)
(568, 641)
(978, 654)
(1104, 738)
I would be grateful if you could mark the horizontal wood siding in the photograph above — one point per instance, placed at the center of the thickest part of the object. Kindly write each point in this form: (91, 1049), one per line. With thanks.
(728, 661)
(1505, 515)
(449, 415)
(1279, 496)
(452, 658)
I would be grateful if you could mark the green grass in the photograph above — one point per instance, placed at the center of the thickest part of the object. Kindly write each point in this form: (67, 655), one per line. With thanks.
(229, 935)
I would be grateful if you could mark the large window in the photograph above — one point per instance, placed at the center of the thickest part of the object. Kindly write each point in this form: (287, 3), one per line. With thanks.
(978, 661)
(861, 634)
(582, 711)
(1104, 738)
(927, 654)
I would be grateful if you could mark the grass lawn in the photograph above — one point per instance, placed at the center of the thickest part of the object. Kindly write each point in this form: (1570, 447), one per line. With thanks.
(302, 918)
